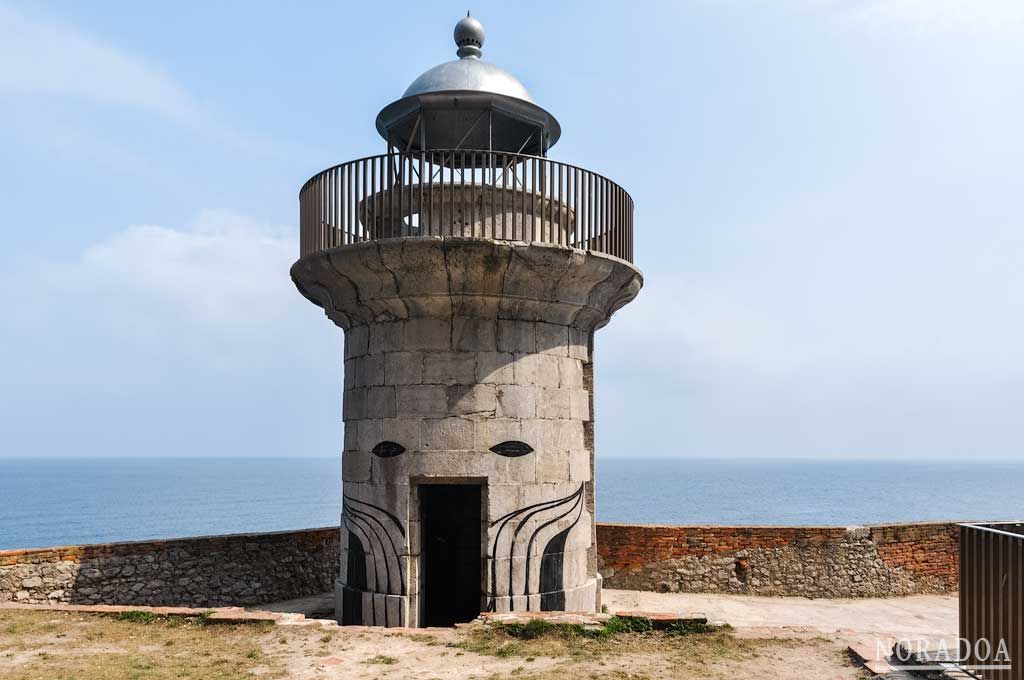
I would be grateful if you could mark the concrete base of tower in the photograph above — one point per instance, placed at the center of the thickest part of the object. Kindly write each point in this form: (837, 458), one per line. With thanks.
(353, 607)
(584, 598)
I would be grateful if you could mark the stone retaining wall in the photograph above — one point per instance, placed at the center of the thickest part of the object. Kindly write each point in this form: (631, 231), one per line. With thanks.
(244, 569)
(206, 571)
(878, 561)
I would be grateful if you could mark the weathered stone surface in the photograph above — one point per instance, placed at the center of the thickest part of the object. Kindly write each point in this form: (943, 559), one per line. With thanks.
(540, 370)
(516, 336)
(495, 368)
(427, 334)
(447, 434)
(516, 401)
(798, 561)
(885, 560)
(554, 403)
(208, 571)
(477, 400)
(430, 277)
(403, 368)
(456, 345)
(381, 402)
(421, 400)
(473, 334)
(449, 368)
(552, 338)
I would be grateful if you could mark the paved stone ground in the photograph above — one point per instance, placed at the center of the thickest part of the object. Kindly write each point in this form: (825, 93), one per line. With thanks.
(929, 616)
(916, 615)
(868, 626)
(315, 606)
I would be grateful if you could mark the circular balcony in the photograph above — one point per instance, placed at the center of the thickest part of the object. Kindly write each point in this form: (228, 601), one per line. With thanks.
(465, 193)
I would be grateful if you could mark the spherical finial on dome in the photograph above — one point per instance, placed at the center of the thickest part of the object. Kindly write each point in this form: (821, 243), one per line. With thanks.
(469, 36)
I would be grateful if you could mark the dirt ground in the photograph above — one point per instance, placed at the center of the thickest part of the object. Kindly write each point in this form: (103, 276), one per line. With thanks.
(930, 616)
(69, 645)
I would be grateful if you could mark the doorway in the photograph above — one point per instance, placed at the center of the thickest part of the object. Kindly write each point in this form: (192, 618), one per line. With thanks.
(451, 558)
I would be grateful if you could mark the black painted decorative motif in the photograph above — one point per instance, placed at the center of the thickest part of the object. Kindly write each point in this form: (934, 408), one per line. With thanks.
(566, 506)
(388, 450)
(552, 593)
(512, 449)
(372, 526)
(352, 593)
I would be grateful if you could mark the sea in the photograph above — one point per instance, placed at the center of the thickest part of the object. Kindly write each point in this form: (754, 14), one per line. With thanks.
(50, 502)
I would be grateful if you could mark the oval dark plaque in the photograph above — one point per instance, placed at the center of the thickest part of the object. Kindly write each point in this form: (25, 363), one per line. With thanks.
(512, 449)
(388, 450)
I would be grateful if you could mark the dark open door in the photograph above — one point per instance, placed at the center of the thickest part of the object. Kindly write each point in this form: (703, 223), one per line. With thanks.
(452, 555)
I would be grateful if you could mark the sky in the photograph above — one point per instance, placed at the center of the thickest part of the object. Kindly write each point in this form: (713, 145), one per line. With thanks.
(828, 217)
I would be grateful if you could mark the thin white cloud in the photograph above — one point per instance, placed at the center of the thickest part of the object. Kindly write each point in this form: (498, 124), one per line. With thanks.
(222, 272)
(62, 137)
(43, 58)
(927, 18)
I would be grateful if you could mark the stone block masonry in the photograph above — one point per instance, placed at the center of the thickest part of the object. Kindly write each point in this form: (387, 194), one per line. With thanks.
(469, 359)
(207, 571)
(877, 561)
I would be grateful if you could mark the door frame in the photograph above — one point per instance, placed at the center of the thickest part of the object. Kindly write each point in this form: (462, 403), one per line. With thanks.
(417, 603)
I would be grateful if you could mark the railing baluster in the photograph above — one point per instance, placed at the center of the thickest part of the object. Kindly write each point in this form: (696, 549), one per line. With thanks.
(337, 237)
(538, 179)
(560, 207)
(504, 193)
(576, 208)
(545, 201)
(430, 191)
(422, 180)
(472, 193)
(320, 209)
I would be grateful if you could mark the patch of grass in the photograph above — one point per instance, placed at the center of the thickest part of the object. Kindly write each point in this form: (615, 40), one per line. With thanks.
(530, 630)
(101, 647)
(137, 616)
(619, 635)
(381, 659)
(425, 638)
(692, 628)
(628, 624)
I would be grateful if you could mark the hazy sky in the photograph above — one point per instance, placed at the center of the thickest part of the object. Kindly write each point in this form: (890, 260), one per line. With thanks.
(828, 215)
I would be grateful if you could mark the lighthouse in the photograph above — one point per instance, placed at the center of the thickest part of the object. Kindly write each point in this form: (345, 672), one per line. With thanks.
(469, 271)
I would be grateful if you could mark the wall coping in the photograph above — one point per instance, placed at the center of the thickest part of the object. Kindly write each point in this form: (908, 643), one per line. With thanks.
(149, 545)
(792, 527)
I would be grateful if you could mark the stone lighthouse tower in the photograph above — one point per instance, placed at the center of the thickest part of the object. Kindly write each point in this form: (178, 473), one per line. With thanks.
(469, 272)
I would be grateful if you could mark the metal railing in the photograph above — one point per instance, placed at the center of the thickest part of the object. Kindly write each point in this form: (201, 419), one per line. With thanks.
(465, 193)
(992, 599)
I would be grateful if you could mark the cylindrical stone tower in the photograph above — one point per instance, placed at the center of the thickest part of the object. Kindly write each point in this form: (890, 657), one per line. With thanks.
(469, 272)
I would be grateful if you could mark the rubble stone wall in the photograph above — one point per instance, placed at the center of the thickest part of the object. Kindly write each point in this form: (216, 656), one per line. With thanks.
(889, 560)
(205, 571)
(876, 561)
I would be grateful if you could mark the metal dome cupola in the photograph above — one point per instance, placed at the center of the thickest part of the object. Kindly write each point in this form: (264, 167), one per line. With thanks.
(468, 103)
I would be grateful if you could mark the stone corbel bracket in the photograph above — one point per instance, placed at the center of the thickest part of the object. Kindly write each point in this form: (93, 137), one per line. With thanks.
(450, 277)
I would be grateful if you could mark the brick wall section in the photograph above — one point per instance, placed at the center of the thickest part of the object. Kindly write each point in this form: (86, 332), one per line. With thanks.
(205, 571)
(875, 561)
(926, 550)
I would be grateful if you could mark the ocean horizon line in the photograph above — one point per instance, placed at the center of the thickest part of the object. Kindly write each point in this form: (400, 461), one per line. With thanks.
(646, 458)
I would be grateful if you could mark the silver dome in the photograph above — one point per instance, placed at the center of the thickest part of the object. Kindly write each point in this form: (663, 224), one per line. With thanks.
(469, 74)
(444, 107)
